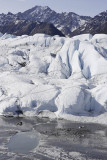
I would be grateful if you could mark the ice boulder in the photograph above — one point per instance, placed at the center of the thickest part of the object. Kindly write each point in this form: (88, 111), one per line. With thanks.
(9, 106)
(100, 95)
(39, 99)
(73, 100)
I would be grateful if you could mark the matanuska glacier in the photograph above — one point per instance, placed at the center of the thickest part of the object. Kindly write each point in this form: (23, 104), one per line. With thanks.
(55, 76)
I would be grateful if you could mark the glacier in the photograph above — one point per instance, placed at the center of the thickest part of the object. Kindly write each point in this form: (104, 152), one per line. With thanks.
(54, 77)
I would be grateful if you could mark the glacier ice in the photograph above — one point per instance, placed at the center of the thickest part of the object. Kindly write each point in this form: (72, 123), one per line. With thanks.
(54, 76)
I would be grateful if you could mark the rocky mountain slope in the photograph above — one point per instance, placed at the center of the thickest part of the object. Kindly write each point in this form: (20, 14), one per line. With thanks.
(23, 27)
(65, 22)
(7, 18)
(70, 24)
(98, 24)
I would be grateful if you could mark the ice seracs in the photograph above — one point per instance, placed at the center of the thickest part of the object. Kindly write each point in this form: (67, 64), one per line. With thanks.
(54, 76)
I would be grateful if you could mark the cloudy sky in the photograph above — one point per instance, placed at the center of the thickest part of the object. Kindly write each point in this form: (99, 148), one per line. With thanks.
(82, 7)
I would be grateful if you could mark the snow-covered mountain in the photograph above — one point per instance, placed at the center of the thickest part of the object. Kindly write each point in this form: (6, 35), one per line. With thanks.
(55, 76)
(96, 25)
(65, 22)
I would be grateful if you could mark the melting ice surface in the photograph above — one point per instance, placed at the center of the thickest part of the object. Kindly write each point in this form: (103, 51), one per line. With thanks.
(23, 142)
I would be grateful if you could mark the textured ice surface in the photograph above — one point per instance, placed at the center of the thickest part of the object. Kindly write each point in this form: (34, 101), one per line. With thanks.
(41, 74)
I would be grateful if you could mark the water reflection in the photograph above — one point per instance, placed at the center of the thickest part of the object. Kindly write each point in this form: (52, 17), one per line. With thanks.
(23, 142)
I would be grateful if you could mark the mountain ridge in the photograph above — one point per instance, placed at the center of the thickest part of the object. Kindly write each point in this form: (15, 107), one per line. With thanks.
(70, 24)
(63, 21)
